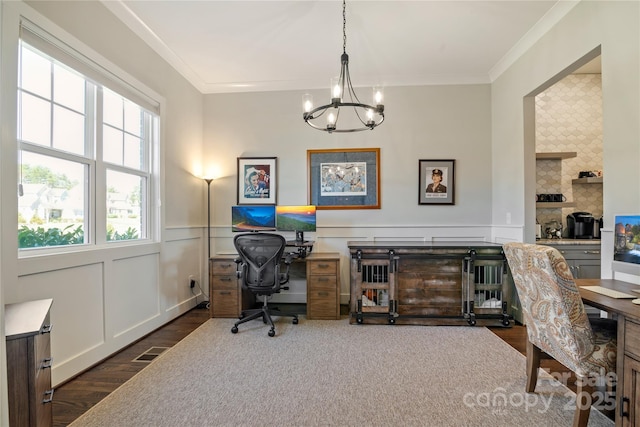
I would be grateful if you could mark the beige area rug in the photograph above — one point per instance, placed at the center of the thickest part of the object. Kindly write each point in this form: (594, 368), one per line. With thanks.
(330, 373)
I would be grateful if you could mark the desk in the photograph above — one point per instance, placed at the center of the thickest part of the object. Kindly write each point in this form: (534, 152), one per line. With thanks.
(229, 298)
(628, 362)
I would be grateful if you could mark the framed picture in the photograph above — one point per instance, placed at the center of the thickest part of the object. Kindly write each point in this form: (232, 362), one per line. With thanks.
(436, 183)
(257, 180)
(344, 178)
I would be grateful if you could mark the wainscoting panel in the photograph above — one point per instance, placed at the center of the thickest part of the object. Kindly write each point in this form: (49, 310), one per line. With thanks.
(106, 298)
(133, 293)
(77, 313)
(336, 238)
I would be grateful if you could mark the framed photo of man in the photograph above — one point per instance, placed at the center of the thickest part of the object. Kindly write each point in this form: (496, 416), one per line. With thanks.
(257, 180)
(436, 183)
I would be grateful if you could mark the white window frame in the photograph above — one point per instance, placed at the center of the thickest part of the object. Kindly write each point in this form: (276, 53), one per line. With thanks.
(96, 212)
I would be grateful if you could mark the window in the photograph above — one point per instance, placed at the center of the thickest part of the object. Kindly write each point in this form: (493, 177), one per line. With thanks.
(85, 155)
(125, 154)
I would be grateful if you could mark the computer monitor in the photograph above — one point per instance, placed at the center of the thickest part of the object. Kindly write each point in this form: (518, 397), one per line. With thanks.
(627, 239)
(253, 218)
(296, 218)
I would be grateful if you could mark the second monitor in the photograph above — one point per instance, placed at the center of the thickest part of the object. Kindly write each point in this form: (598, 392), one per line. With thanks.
(296, 218)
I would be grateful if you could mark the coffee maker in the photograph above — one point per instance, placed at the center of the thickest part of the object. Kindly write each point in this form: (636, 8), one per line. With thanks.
(580, 225)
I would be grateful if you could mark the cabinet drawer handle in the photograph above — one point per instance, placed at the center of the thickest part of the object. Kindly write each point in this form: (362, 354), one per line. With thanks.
(225, 279)
(623, 413)
(592, 252)
(225, 293)
(46, 363)
(323, 266)
(322, 279)
(323, 294)
(50, 398)
(46, 329)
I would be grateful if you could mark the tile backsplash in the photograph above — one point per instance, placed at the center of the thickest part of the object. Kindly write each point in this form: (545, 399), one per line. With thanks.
(569, 118)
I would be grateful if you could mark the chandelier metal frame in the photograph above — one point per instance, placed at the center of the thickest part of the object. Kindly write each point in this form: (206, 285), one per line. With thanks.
(373, 115)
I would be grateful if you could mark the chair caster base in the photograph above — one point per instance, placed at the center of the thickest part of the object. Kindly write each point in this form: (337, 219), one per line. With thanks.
(234, 330)
(272, 332)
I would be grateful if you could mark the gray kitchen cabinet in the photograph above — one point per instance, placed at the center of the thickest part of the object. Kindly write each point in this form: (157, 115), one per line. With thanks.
(583, 259)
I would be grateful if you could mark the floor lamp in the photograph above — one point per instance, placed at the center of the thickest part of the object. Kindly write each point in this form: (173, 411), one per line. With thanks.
(205, 304)
(208, 180)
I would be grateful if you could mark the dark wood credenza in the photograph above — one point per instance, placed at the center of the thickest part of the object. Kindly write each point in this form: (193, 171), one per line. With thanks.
(443, 283)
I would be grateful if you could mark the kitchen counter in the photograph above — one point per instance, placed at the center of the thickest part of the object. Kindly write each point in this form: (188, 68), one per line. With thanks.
(568, 241)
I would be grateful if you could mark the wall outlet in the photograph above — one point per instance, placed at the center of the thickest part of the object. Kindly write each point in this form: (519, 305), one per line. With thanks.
(192, 281)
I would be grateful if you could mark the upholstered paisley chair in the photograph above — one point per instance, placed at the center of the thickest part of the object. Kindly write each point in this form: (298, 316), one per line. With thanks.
(556, 321)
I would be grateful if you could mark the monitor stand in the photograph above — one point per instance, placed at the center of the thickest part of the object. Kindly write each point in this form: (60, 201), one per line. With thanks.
(303, 247)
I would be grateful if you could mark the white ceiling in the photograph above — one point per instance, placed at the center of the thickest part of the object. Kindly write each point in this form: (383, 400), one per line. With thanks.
(242, 46)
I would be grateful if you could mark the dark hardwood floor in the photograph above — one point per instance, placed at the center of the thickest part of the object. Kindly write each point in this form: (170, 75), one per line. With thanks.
(79, 394)
(76, 396)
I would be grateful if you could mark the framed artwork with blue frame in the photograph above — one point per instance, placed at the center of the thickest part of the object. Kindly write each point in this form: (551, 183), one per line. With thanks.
(344, 178)
(257, 180)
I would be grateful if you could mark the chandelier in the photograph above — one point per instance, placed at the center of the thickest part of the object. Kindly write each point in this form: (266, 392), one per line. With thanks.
(343, 97)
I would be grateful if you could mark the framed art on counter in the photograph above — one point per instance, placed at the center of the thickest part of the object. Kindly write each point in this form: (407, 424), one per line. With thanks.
(436, 183)
(257, 180)
(344, 178)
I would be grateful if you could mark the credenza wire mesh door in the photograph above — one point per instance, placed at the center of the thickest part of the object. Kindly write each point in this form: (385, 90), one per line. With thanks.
(375, 283)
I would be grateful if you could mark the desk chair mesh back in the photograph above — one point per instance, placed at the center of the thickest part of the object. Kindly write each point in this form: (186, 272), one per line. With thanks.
(556, 321)
(259, 260)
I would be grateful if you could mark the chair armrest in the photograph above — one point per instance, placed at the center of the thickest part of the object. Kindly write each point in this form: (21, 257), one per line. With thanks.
(238, 261)
(288, 258)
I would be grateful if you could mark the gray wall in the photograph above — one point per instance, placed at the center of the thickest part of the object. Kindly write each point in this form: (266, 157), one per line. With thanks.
(613, 26)
(428, 122)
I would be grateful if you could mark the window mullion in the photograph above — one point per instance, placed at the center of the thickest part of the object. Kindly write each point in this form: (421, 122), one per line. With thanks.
(100, 176)
(46, 151)
(50, 100)
(89, 149)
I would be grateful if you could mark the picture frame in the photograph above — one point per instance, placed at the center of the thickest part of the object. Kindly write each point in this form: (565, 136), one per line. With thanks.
(431, 189)
(344, 178)
(257, 180)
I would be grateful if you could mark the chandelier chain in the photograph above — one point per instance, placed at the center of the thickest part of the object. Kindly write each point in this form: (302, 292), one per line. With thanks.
(344, 26)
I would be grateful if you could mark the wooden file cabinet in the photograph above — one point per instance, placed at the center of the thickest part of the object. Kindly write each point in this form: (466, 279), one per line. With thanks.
(27, 330)
(323, 286)
(227, 296)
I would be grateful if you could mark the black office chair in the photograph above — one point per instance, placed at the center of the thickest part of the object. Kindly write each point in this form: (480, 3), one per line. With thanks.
(259, 260)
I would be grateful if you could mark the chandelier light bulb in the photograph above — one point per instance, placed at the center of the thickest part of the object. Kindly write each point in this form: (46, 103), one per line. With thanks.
(307, 103)
(378, 95)
(331, 119)
(336, 89)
